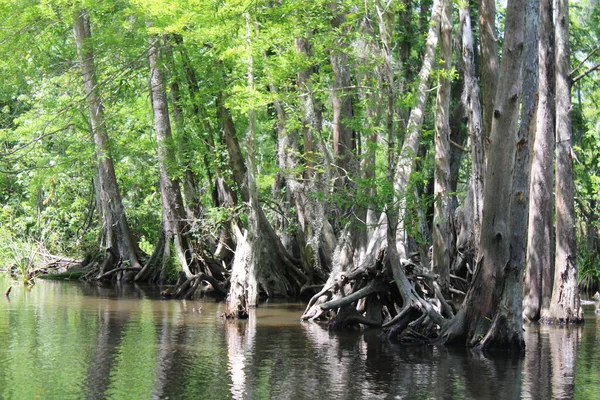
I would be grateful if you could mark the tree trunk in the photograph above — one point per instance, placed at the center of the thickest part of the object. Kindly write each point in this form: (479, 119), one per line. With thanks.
(173, 223)
(276, 272)
(441, 217)
(281, 258)
(344, 141)
(386, 20)
(373, 105)
(256, 240)
(410, 149)
(192, 202)
(471, 101)
(405, 77)
(509, 317)
(243, 293)
(483, 298)
(343, 136)
(565, 304)
(540, 245)
(459, 132)
(236, 159)
(316, 153)
(489, 64)
(236, 305)
(116, 233)
(310, 212)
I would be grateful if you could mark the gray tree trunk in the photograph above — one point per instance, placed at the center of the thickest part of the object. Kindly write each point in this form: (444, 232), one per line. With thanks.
(489, 57)
(117, 236)
(343, 140)
(174, 225)
(509, 316)
(190, 191)
(386, 20)
(540, 245)
(565, 304)
(486, 324)
(441, 214)
(243, 293)
(266, 262)
(472, 105)
(410, 149)
(318, 232)
(316, 153)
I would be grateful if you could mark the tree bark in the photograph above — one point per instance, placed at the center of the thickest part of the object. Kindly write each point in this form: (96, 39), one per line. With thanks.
(243, 292)
(483, 298)
(343, 136)
(115, 227)
(266, 261)
(410, 149)
(255, 238)
(310, 212)
(441, 216)
(192, 202)
(540, 245)
(386, 20)
(565, 304)
(472, 105)
(406, 74)
(236, 159)
(489, 65)
(236, 305)
(509, 316)
(173, 223)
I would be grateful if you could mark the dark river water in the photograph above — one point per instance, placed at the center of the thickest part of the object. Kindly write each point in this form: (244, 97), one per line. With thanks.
(61, 340)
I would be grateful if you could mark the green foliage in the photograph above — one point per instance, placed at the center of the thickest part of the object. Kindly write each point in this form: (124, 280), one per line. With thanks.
(18, 256)
(588, 271)
(47, 154)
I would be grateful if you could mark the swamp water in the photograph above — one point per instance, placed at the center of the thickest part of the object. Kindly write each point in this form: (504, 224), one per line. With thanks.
(62, 340)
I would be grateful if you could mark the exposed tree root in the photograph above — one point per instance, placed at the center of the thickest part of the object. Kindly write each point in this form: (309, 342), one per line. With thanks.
(348, 317)
(114, 271)
(187, 289)
(384, 291)
(212, 278)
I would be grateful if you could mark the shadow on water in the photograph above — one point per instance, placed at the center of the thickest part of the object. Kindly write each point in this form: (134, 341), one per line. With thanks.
(62, 340)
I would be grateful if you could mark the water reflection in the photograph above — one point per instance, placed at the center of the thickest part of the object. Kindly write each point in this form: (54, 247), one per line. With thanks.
(103, 352)
(63, 340)
(240, 338)
(372, 368)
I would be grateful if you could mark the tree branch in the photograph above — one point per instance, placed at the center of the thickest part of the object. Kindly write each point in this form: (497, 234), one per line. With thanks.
(586, 73)
(584, 60)
(458, 146)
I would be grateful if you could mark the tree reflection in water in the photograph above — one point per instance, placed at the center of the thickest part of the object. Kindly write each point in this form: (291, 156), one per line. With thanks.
(564, 342)
(240, 338)
(100, 342)
(108, 339)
